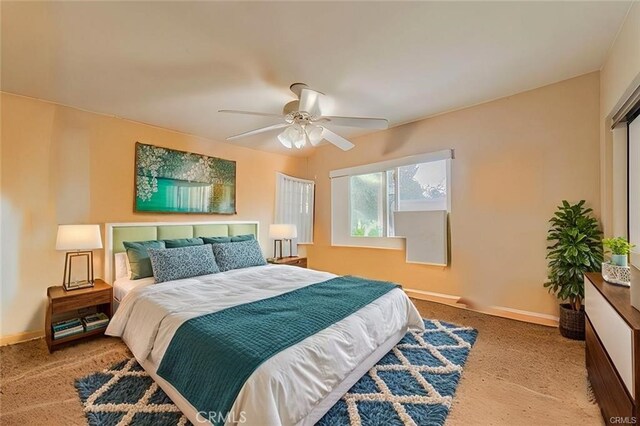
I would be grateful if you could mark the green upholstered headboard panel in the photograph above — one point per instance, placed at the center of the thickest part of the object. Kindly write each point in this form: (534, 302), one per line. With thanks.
(133, 233)
(119, 232)
(144, 232)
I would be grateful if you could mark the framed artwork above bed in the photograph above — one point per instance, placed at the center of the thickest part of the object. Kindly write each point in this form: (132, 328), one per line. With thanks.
(171, 181)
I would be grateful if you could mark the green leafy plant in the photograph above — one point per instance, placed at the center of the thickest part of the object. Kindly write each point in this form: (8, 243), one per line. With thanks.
(618, 245)
(575, 249)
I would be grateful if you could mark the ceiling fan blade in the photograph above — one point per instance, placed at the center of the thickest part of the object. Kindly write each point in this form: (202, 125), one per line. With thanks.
(257, 131)
(310, 101)
(337, 140)
(363, 122)
(263, 114)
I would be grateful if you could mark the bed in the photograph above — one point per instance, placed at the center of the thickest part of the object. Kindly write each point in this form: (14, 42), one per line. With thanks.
(295, 386)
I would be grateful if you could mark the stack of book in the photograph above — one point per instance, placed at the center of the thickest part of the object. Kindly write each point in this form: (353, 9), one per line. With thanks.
(95, 321)
(67, 328)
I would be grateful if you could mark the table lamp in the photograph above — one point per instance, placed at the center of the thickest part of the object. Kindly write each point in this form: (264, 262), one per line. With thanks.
(280, 232)
(78, 241)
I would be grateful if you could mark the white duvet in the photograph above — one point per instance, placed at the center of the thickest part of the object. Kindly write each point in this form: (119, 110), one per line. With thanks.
(285, 388)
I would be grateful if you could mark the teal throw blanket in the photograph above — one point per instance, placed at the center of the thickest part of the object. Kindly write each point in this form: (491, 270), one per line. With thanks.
(211, 356)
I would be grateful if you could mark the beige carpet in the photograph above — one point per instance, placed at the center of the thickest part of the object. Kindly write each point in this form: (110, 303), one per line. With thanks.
(517, 374)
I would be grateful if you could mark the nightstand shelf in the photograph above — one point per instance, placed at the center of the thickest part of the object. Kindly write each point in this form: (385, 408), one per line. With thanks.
(67, 304)
(292, 261)
(79, 336)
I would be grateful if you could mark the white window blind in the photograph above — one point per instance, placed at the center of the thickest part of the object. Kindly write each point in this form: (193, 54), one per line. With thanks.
(294, 204)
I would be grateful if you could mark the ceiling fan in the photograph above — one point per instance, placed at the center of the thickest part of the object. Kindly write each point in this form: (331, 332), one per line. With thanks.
(304, 123)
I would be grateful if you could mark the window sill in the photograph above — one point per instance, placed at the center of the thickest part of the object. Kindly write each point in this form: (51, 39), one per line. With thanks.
(366, 247)
(382, 243)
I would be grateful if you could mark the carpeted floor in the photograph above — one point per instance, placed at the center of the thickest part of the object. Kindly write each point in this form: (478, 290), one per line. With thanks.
(517, 373)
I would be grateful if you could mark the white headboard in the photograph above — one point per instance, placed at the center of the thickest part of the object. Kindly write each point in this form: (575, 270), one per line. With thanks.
(116, 233)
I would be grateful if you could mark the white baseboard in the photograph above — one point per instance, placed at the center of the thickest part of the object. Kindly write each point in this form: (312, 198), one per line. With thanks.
(499, 311)
(446, 299)
(21, 337)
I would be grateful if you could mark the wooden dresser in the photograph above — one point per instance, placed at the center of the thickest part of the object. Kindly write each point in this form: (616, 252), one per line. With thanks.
(613, 348)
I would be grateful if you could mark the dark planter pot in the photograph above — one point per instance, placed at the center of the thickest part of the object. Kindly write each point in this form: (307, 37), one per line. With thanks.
(571, 322)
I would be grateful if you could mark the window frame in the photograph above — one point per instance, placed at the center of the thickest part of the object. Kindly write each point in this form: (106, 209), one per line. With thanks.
(341, 199)
(634, 256)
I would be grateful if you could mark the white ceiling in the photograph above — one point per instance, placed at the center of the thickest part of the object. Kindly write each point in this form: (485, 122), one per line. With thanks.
(174, 64)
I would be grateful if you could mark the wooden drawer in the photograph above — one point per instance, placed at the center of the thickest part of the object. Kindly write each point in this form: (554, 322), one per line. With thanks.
(614, 333)
(80, 301)
(610, 392)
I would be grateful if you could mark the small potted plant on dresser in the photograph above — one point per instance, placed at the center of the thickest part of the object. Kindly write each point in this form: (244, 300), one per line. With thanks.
(575, 248)
(620, 249)
(617, 270)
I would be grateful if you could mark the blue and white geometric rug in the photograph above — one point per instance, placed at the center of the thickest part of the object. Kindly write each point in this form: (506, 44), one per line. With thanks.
(413, 384)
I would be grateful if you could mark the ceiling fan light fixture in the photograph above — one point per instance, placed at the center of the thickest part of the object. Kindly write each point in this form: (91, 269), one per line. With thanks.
(293, 136)
(284, 139)
(298, 136)
(314, 133)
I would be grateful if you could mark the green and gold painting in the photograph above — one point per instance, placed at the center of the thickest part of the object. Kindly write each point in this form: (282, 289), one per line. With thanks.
(170, 181)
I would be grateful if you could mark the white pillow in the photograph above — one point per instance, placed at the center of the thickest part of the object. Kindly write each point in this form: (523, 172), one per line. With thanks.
(122, 266)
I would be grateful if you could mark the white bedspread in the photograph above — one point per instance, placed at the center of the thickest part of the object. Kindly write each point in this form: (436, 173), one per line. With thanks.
(122, 286)
(285, 388)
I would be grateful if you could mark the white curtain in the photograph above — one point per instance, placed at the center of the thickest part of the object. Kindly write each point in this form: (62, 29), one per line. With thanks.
(294, 204)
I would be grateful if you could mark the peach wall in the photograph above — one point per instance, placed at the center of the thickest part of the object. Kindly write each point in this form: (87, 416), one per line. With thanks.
(62, 165)
(619, 77)
(516, 159)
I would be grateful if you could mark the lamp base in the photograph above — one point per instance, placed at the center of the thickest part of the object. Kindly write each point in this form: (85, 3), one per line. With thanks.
(275, 249)
(67, 284)
(78, 285)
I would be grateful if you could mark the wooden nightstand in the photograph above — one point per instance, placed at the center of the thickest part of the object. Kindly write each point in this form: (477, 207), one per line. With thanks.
(293, 261)
(66, 304)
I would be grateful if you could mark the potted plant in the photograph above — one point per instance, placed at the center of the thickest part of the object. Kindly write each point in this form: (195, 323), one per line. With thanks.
(619, 248)
(574, 249)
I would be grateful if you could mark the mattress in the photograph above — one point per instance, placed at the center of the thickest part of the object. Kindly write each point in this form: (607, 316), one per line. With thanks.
(288, 387)
(122, 286)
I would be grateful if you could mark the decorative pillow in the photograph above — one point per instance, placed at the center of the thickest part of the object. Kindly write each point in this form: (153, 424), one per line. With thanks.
(121, 266)
(216, 240)
(238, 255)
(139, 257)
(183, 242)
(239, 238)
(182, 262)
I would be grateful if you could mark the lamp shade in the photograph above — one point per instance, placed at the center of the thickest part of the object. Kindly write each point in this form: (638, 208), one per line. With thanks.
(78, 237)
(283, 231)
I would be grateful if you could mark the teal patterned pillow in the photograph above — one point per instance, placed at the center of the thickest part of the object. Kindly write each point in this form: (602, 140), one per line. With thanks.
(139, 258)
(182, 262)
(242, 254)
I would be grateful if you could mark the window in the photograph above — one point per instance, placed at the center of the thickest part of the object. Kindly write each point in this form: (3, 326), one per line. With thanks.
(294, 205)
(365, 198)
(367, 194)
(625, 170)
(375, 196)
